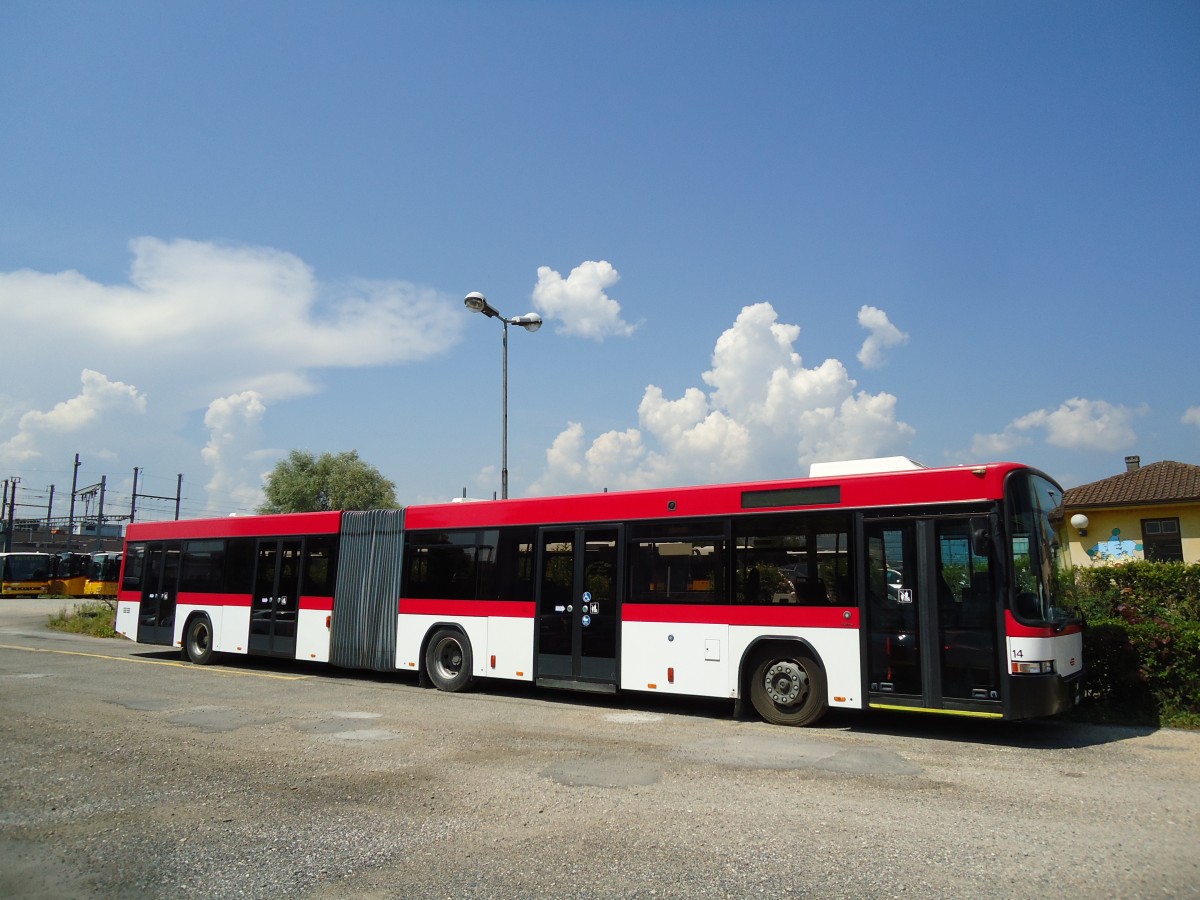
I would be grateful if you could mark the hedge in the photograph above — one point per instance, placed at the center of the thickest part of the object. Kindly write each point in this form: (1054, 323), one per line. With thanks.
(1142, 642)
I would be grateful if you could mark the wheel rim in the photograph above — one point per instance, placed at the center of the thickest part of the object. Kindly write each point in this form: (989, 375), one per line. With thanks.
(200, 639)
(449, 657)
(786, 683)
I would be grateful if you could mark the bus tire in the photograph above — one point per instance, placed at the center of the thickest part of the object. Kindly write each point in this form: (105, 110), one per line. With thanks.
(448, 660)
(788, 688)
(198, 641)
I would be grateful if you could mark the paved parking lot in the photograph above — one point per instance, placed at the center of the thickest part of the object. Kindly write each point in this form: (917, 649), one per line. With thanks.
(126, 773)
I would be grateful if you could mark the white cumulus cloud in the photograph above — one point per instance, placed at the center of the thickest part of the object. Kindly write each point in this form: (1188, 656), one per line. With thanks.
(194, 320)
(765, 415)
(235, 433)
(883, 335)
(226, 318)
(580, 303)
(1192, 416)
(997, 446)
(100, 402)
(1076, 424)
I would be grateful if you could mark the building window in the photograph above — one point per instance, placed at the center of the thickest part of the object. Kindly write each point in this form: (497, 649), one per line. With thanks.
(1161, 540)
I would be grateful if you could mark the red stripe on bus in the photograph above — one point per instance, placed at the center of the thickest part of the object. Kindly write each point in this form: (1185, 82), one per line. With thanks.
(1013, 628)
(190, 598)
(514, 609)
(768, 616)
(692, 614)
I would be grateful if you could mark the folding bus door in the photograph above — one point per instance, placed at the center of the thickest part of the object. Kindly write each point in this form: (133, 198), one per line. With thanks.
(160, 586)
(578, 607)
(274, 609)
(932, 620)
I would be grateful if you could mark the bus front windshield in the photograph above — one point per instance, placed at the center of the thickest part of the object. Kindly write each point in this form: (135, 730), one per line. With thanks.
(26, 567)
(1032, 500)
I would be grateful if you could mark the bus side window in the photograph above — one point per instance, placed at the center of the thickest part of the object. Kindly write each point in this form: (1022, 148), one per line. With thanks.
(319, 566)
(801, 560)
(238, 577)
(135, 562)
(670, 562)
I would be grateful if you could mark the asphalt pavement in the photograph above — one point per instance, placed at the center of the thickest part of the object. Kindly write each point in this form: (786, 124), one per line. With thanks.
(125, 772)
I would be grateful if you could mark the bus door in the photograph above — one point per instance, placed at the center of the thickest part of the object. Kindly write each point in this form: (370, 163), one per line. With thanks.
(275, 605)
(578, 607)
(932, 617)
(156, 613)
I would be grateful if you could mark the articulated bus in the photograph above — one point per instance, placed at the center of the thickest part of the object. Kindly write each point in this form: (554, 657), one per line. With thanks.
(24, 574)
(926, 589)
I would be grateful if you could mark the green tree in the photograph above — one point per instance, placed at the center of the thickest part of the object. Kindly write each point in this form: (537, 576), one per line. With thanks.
(304, 483)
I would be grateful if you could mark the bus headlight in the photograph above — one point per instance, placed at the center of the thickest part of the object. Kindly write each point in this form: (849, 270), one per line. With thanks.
(1040, 667)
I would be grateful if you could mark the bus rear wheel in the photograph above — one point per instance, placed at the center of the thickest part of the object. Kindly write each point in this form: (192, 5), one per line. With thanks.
(788, 689)
(448, 660)
(198, 641)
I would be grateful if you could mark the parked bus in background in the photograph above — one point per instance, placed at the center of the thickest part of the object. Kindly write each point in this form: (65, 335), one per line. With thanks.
(24, 574)
(104, 573)
(69, 573)
(912, 589)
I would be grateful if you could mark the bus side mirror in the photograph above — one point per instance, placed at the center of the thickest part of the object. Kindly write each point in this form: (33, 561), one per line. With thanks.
(981, 537)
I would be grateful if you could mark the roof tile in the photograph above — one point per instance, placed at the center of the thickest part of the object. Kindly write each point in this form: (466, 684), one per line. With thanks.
(1160, 482)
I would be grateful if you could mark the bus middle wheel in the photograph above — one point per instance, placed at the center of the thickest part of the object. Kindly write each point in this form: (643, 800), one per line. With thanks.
(448, 660)
(198, 641)
(788, 689)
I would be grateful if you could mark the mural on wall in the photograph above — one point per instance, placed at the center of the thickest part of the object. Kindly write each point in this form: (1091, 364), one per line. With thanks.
(1115, 549)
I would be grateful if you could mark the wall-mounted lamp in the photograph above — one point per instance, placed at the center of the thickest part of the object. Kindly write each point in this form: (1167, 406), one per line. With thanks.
(1080, 523)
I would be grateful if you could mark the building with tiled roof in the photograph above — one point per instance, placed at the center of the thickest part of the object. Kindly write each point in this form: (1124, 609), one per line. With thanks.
(1146, 512)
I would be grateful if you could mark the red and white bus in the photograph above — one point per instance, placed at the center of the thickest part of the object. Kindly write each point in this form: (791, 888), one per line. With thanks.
(923, 589)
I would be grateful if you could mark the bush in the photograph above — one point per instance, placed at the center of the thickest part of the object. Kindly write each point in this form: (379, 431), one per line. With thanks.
(1142, 642)
(1142, 590)
(96, 618)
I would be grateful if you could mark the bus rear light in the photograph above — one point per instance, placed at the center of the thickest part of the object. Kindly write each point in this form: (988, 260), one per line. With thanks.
(328, 620)
(493, 660)
(671, 675)
(1040, 667)
(651, 687)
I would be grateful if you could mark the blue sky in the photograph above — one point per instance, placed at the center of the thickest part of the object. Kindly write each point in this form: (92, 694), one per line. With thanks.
(761, 235)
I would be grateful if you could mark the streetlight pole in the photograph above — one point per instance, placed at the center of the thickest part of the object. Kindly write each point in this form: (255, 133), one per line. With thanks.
(531, 322)
(12, 506)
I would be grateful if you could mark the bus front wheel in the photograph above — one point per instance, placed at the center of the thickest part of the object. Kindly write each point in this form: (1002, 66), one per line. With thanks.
(788, 689)
(198, 641)
(448, 660)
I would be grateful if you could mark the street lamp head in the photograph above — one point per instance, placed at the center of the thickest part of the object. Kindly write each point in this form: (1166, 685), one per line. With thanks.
(476, 302)
(530, 321)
